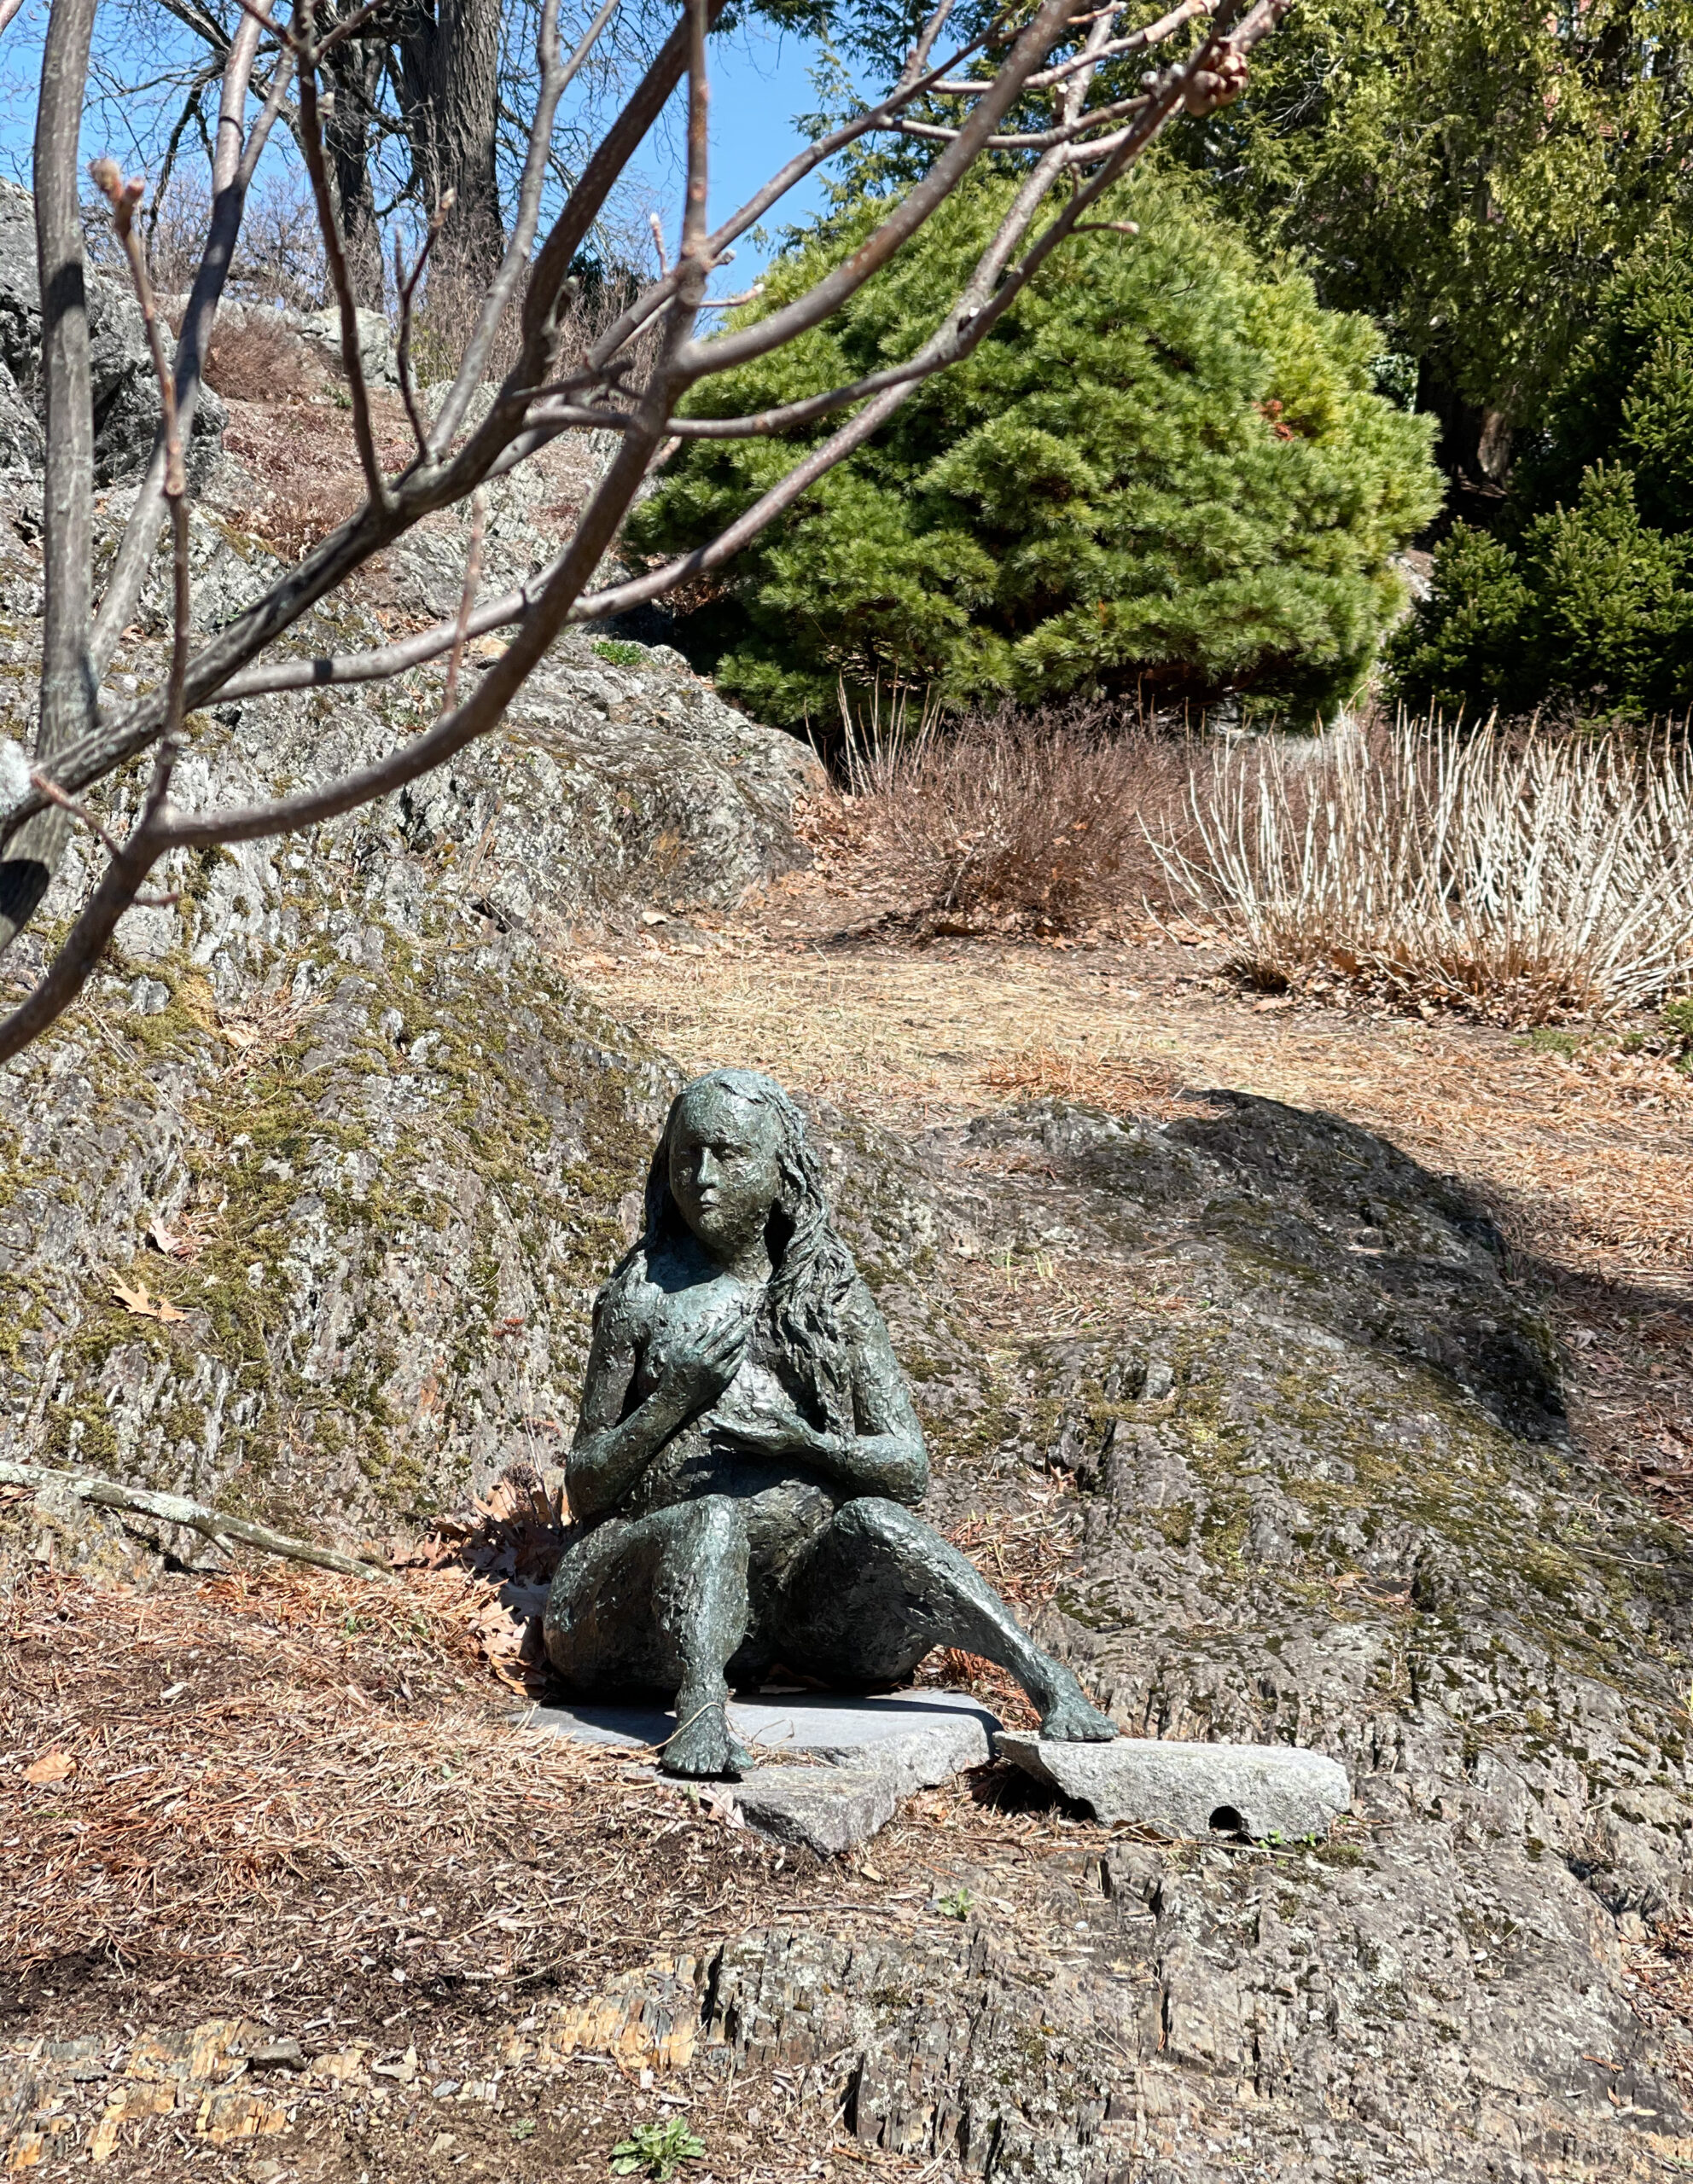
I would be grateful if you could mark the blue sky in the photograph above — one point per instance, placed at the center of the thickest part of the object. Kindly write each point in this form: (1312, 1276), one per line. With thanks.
(760, 80)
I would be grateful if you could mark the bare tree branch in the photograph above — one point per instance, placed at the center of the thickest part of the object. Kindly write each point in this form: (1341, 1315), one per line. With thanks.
(123, 197)
(335, 256)
(87, 941)
(473, 577)
(177, 1509)
(1040, 142)
(1135, 42)
(554, 78)
(232, 171)
(629, 383)
(836, 288)
(406, 284)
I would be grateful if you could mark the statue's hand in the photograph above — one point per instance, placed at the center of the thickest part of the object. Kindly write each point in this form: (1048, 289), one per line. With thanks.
(699, 1364)
(761, 1421)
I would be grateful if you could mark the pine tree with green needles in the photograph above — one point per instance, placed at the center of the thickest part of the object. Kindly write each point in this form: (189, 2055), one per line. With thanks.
(1583, 597)
(1166, 469)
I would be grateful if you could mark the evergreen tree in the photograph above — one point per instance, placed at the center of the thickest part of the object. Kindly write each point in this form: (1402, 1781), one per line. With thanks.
(1165, 468)
(1585, 595)
(1471, 172)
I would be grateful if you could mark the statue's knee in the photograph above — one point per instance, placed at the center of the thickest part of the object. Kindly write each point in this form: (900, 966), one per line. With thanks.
(712, 1526)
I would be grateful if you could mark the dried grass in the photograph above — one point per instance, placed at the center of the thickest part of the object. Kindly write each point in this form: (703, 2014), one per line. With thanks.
(1012, 821)
(1527, 880)
(1044, 1072)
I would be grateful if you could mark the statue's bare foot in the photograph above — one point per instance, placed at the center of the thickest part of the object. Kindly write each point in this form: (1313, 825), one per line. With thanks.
(705, 1749)
(1070, 1718)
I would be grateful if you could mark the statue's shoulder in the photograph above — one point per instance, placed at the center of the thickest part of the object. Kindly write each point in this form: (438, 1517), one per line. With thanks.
(629, 1291)
(859, 1313)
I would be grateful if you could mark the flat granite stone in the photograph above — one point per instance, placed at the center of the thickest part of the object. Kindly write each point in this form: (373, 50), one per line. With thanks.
(829, 1810)
(866, 1754)
(923, 1737)
(1260, 1789)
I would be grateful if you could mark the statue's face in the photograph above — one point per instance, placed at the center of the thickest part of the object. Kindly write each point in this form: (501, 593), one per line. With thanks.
(724, 1174)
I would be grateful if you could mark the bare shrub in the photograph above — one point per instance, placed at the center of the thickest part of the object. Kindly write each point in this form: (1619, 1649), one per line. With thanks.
(303, 509)
(450, 302)
(1521, 878)
(256, 359)
(280, 260)
(1016, 820)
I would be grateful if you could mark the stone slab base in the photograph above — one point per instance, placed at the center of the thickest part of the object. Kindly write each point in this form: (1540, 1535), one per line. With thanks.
(1262, 1791)
(863, 1755)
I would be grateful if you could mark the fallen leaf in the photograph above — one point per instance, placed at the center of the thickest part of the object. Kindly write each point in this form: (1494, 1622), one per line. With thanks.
(136, 1300)
(51, 1767)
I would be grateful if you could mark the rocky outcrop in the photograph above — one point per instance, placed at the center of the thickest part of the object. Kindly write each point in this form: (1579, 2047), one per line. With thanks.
(302, 1207)
(124, 388)
(1322, 1492)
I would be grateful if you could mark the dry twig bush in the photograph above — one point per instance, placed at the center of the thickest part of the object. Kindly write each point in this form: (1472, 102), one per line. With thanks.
(1014, 821)
(255, 359)
(1524, 880)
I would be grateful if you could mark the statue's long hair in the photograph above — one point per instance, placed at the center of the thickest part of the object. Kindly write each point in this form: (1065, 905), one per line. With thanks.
(812, 1270)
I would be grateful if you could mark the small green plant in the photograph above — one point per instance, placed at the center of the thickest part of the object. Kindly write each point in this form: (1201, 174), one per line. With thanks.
(618, 654)
(956, 1906)
(1678, 1022)
(656, 2150)
(524, 2127)
(1547, 1040)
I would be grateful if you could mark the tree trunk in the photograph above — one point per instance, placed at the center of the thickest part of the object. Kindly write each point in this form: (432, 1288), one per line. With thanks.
(450, 77)
(355, 69)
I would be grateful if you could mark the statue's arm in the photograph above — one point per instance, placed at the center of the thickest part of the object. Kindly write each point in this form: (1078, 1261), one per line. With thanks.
(887, 1455)
(610, 1450)
(884, 1453)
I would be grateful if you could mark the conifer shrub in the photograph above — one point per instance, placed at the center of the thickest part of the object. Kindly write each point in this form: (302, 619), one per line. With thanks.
(1583, 597)
(1166, 469)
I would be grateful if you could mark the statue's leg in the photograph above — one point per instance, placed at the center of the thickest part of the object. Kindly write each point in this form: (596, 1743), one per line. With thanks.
(879, 1588)
(660, 1602)
(700, 1602)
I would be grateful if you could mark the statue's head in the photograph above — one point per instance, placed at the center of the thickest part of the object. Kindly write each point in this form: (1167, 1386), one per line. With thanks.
(733, 1164)
(734, 1155)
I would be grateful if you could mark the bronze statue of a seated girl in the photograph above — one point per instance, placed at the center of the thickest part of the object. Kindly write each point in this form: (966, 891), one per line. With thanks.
(746, 1460)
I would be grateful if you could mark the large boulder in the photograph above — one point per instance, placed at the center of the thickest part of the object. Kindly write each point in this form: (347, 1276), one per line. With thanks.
(125, 389)
(302, 1207)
